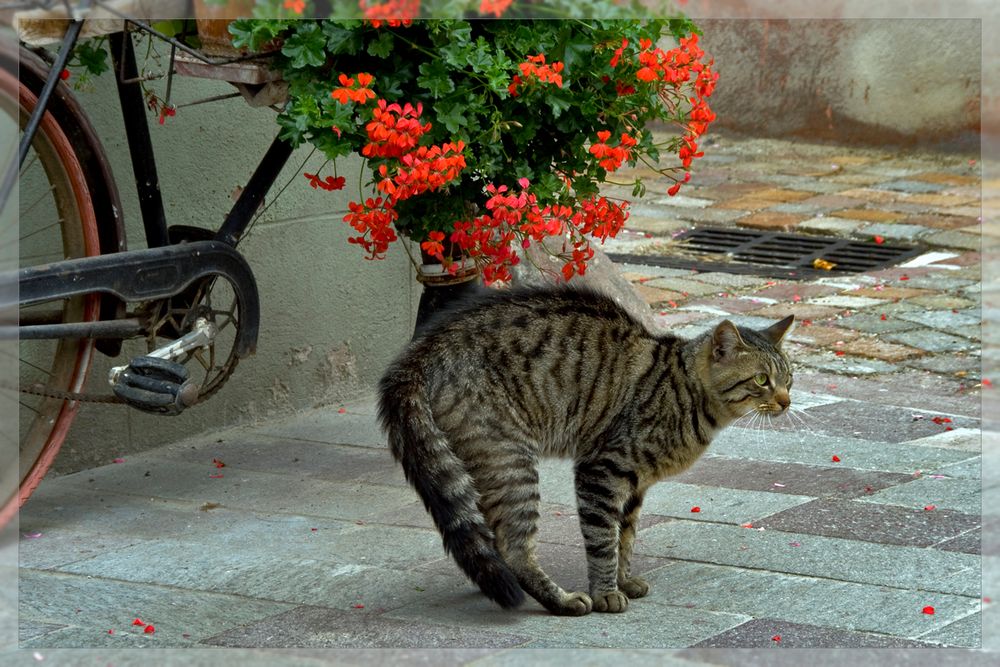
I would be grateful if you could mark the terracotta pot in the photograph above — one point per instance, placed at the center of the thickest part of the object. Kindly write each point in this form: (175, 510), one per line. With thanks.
(213, 25)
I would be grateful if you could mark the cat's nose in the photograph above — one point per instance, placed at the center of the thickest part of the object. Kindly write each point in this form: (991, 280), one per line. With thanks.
(783, 400)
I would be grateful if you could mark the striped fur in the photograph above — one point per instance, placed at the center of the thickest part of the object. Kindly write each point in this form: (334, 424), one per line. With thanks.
(484, 391)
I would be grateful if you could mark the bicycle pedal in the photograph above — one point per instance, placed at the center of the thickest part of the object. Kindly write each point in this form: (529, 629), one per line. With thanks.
(156, 385)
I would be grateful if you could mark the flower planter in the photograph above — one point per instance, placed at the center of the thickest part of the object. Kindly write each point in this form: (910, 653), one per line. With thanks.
(441, 288)
(213, 21)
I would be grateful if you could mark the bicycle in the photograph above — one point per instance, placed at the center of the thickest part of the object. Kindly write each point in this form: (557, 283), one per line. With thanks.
(190, 294)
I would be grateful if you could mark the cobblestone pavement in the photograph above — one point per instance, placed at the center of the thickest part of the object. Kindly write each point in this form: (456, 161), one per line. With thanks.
(858, 521)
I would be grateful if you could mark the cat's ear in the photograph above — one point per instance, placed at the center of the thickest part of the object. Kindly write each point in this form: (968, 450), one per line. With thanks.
(776, 332)
(726, 341)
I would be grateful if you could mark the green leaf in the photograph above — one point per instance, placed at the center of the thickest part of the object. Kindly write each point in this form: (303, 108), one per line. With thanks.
(91, 55)
(434, 77)
(451, 116)
(343, 37)
(576, 52)
(382, 46)
(253, 34)
(306, 46)
(559, 99)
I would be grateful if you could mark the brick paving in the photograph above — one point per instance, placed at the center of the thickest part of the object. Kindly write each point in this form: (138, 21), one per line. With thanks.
(834, 527)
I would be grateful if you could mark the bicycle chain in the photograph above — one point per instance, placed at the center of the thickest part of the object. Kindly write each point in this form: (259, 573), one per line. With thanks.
(38, 390)
(80, 397)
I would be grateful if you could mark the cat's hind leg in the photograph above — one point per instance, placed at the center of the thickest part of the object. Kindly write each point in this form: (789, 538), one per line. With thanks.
(509, 500)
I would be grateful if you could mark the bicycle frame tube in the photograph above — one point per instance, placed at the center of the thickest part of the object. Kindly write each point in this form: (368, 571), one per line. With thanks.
(241, 215)
(140, 144)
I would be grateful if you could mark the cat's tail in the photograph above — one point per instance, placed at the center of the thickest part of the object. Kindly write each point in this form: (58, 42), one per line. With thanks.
(443, 483)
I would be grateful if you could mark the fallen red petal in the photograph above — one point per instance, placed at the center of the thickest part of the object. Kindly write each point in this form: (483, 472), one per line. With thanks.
(359, 606)
(342, 410)
(111, 632)
(746, 525)
(929, 610)
(904, 277)
(879, 240)
(138, 621)
(929, 508)
(695, 509)
(149, 630)
(218, 464)
(835, 458)
(119, 461)
(884, 317)
(776, 638)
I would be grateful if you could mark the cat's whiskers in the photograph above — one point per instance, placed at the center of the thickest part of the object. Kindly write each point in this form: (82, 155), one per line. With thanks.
(799, 415)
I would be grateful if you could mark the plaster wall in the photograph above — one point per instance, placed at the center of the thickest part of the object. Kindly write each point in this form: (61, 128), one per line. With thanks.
(905, 72)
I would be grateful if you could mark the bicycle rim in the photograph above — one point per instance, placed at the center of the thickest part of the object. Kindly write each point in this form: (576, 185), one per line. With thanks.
(55, 220)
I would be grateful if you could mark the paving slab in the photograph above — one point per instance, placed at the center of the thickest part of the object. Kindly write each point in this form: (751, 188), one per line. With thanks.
(231, 486)
(872, 522)
(771, 633)
(932, 341)
(956, 238)
(966, 631)
(961, 495)
(880, 423)
(945, 320)
(818, 450)
(902, 567)
(792, 478)
(644, 620)
(830, 225)
(911, 186)
(873, 323)
(318, 627)
(716, 504)
(904, 232)
(91, 607)
(969, 542)
(813, 601)
(844, 365)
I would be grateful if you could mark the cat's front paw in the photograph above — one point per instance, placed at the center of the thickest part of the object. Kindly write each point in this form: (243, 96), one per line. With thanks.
(612, 602)
(573, 604)
(634, 587)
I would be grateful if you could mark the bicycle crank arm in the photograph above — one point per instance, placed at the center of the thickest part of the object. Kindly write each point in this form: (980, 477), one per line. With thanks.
(144, 275)
(201, 335)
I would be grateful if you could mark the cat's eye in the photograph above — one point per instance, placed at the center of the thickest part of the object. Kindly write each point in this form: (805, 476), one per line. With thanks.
(760, 379)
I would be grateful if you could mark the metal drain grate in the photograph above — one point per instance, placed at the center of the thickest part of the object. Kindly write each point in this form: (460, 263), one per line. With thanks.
(775, 254)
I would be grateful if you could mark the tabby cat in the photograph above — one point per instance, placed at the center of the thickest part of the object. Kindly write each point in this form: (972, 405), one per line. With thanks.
(482, 393)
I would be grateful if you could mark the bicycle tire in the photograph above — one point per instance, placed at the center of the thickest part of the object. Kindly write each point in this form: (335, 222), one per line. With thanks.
(68, 365)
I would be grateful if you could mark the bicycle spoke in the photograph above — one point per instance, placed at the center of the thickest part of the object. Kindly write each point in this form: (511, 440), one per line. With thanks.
(36, 367)
(198, 354)
(42, 197)
(57, 223)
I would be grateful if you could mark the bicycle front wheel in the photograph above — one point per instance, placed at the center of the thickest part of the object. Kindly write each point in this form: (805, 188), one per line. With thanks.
(54, 219)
